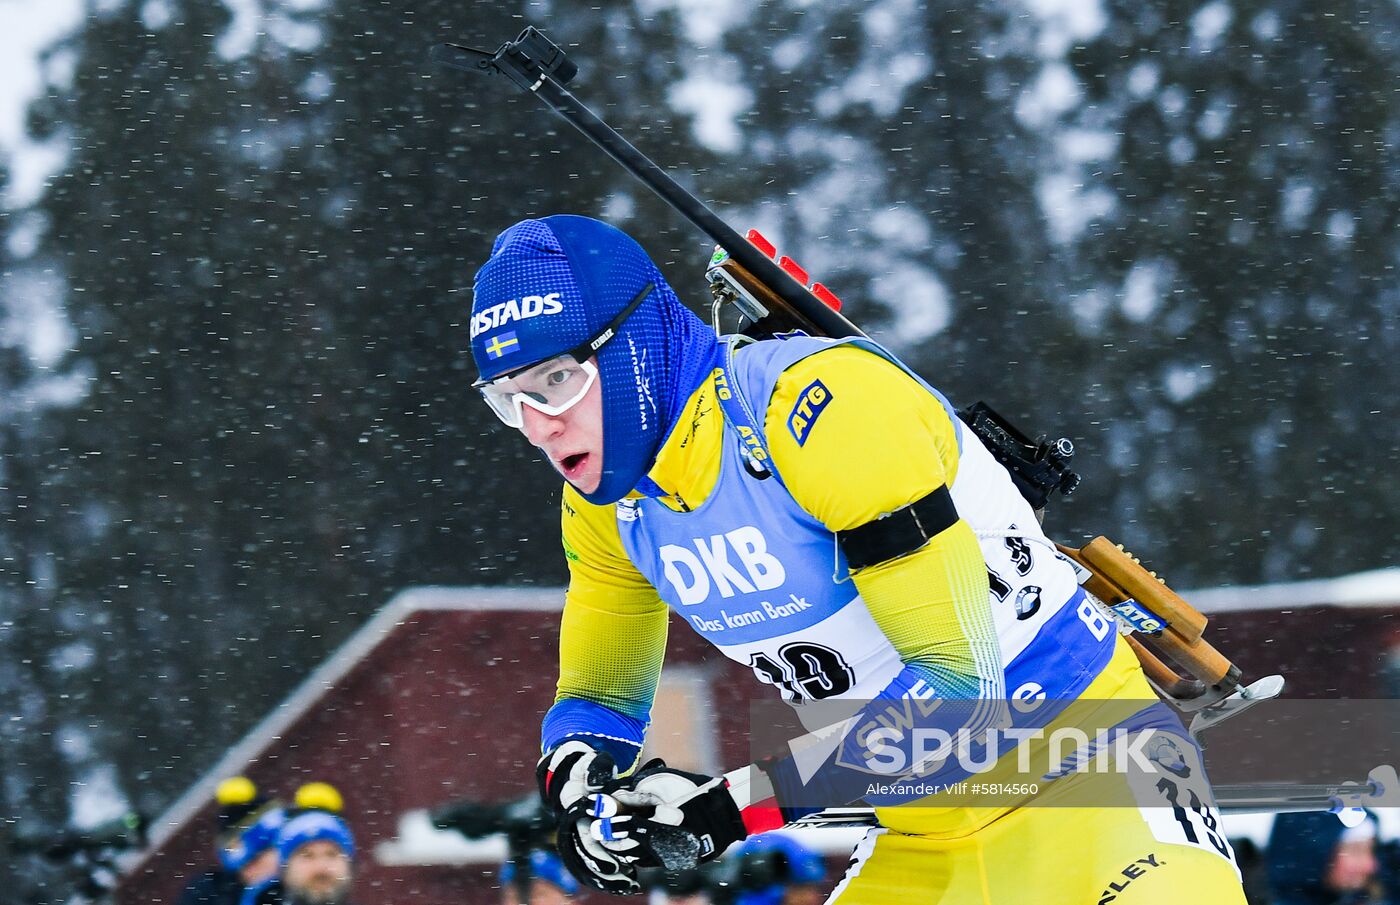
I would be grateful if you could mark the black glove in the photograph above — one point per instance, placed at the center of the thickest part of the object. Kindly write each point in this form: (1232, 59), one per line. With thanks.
(666, 818)
(587, 859)
(569, 773)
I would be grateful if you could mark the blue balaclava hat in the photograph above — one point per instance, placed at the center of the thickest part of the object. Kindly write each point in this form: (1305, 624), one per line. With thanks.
(553, 284)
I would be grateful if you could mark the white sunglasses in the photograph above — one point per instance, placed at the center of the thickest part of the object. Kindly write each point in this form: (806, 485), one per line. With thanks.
(551, 388)
(556, 385)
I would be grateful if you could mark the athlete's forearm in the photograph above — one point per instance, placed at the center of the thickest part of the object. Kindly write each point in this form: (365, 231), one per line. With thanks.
(610, 650)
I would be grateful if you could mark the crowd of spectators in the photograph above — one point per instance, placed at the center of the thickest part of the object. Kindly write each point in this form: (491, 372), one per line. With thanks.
(302, 852)
(274, 853)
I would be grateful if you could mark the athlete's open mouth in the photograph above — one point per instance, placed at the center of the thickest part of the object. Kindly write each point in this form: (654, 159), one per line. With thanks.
(572, 463)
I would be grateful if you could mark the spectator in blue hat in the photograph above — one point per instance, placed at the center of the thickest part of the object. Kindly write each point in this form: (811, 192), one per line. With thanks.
(246, 845)
(317, 853)
(546, 882)
(252, 853)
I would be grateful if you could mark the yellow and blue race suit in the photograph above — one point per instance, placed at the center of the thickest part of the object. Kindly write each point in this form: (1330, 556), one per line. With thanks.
(789, 442)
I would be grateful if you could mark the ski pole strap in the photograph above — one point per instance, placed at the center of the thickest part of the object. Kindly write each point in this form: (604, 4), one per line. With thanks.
(902, 531)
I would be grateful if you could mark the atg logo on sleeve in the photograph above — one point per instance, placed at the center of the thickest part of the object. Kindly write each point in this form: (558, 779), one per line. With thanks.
(808, 409)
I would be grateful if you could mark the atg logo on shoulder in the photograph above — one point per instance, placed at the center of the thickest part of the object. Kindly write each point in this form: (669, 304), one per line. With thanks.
(808, 409)
(527, 306)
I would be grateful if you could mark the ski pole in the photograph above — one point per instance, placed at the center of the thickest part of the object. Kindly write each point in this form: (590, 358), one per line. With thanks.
(1381, 789)
(536, 64)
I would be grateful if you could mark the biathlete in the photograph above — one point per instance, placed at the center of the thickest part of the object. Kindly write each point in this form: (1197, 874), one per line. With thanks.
(819, 514)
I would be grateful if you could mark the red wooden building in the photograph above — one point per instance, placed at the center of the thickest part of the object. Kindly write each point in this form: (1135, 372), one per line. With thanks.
(439, 698)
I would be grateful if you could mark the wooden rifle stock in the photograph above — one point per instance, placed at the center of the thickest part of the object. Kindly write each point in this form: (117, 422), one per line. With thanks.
(1117, 577)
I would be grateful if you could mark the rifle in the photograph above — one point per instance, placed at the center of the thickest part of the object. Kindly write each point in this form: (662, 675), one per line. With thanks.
(773, 294)
(1155, 619)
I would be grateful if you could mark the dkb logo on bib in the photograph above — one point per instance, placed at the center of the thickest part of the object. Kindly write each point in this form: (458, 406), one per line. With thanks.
(694, 575)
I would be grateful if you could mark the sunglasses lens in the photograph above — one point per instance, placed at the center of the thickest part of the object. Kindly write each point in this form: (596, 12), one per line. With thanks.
(504, 407)
(551, 387)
